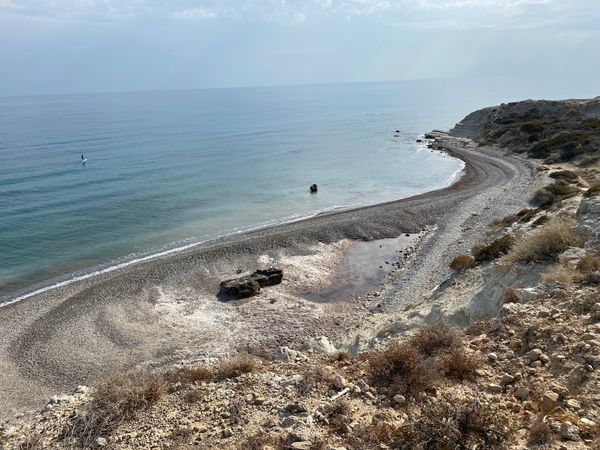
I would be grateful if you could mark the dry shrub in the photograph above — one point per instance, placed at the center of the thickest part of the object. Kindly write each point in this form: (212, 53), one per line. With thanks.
(180, 437)
(340, 357)
(236, 365)
(558, 273)
(339, 415)
(193, 396)
(462, 262)
(593, 190)
(262, 441)
(505, 221)
(313, 378)
(446, 425)
(116, 399)
(543, 198)
(189, 375)
(31, 441)
(373, 436)
(564, 175)
(511, 296)
(541, 220)
(431, 339)
(493, 250)
(402, 367)
(416, 365)
(589, 263)
(546, 243)
(460, 365)
(540, 433)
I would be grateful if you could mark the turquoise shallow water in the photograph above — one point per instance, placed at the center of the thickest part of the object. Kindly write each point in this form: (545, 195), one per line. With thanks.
(166, 169)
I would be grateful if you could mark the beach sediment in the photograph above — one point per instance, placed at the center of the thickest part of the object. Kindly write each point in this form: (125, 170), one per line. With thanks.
(166, 309)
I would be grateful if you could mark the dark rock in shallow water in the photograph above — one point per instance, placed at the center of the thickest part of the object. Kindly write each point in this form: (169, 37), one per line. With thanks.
(313, 188)
(249, 285)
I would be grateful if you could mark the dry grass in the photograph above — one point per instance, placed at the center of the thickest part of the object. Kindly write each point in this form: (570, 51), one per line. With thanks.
(511, 296)
(418, 364)
(189, 375)
(462, 263)
(460, 365)
(540, 433)
(431, 339)
(493, 250)
(558, 273)
(236, 365)
(314, 378)
(445, 424)
(339, 415)
(546, 243)
(31, 441)
(589, 263)
(401, 367)
(116, 399)
(505, 221)
(261, 441)
(589, 269)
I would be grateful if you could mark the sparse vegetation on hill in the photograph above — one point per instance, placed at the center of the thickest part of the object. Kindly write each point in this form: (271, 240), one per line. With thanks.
(493, 250)
(551, 130)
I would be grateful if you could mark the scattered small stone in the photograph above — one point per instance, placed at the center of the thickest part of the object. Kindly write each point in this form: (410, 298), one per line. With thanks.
(534, 354)
(400, 399)
(549, 401)
(285, 354)
(507, 378)
(296, 408)
(522, 393)
(495, 388)
(493, 357)
(340, 382)
(568, 431)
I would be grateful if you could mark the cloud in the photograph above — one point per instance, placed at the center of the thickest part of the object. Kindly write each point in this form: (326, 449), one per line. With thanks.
(462, 13)
(196, 13)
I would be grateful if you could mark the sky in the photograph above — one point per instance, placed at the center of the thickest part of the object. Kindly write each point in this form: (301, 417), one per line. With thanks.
(78, 46)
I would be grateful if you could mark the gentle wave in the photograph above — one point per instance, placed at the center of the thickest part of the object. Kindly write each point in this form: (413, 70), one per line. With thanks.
(242, 230)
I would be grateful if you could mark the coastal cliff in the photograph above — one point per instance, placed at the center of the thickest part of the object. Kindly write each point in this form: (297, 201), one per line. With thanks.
(504, 352)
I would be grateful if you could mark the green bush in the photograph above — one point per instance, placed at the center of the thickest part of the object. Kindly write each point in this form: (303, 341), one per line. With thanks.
(593, 190)
(564, 174)
(568, 143)
(543, 198)
(546, 244)
(494, 250)
(462, 262)
(532, 127)
(561, 189)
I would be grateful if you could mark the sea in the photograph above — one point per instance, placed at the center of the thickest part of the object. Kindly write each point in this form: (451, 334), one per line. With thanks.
(169, 169)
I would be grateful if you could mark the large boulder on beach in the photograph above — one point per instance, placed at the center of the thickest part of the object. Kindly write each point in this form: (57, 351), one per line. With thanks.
(249, 285)
(240, 287)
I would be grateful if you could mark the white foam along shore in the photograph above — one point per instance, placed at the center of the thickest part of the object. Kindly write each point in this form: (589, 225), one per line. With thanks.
(66, 280)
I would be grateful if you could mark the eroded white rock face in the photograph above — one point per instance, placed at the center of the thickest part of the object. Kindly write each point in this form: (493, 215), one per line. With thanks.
(588, 219)
(321, 344)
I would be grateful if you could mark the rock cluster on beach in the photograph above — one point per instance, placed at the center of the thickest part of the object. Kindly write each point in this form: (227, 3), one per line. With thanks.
(250, 285)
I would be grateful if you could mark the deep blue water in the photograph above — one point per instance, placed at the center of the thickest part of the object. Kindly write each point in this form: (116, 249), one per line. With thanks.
(167, 169)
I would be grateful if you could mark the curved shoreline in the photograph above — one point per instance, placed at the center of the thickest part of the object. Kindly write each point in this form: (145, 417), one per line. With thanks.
(65, 336)
(101, 269)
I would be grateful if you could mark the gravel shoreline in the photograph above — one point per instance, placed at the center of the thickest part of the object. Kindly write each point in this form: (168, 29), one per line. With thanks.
(63, 337)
